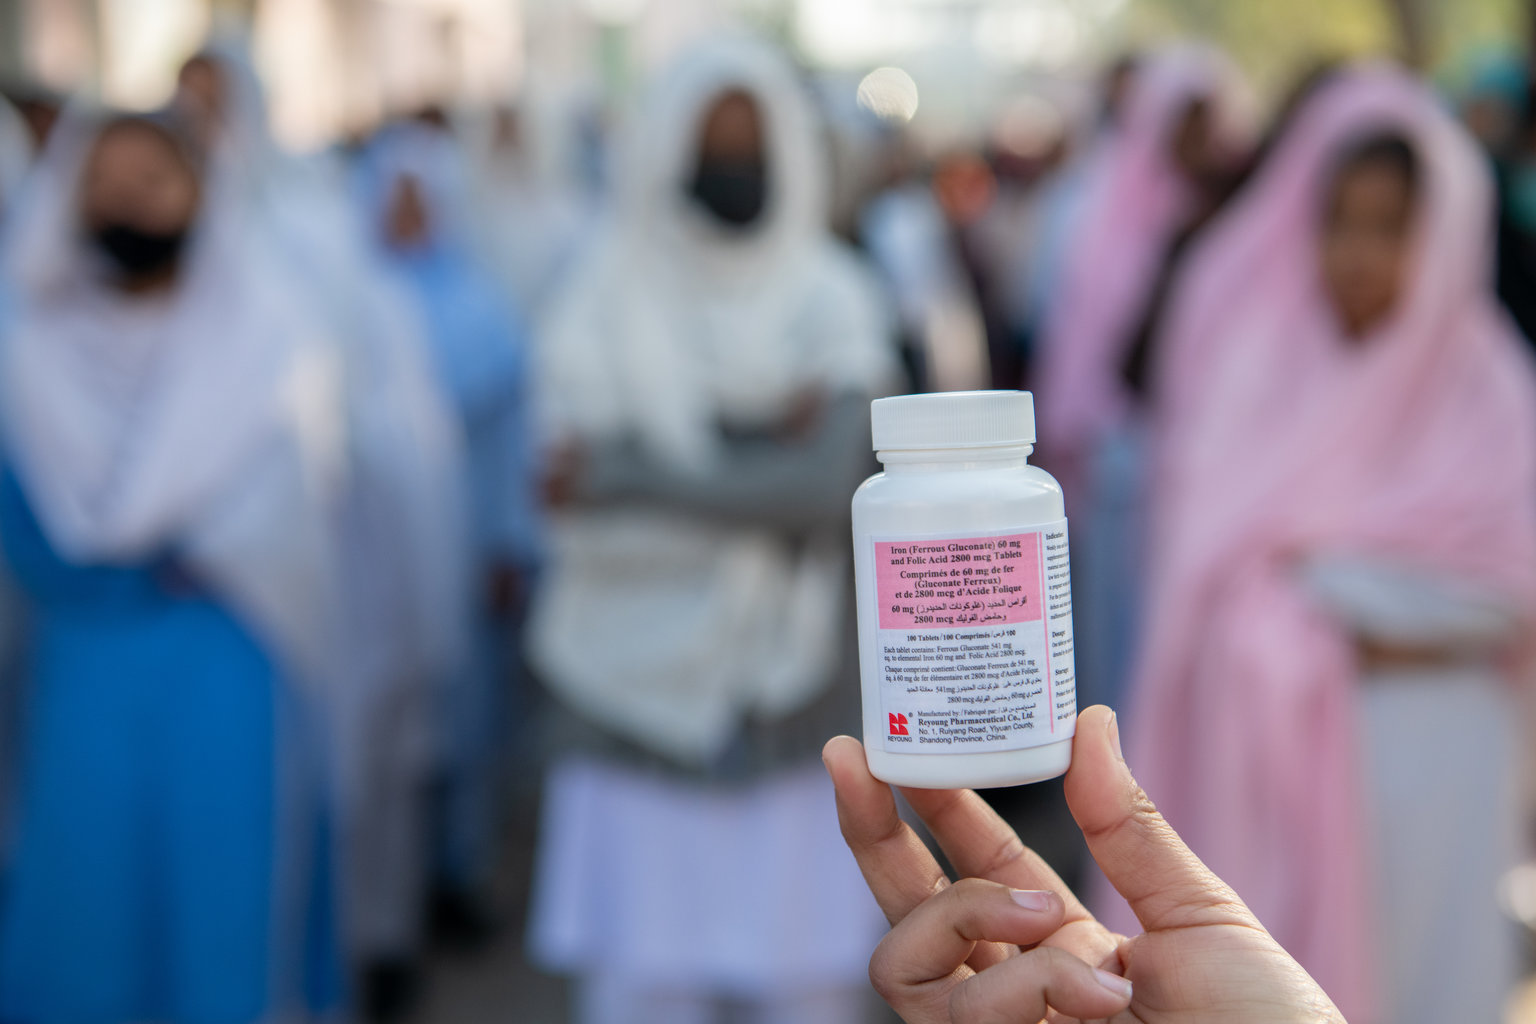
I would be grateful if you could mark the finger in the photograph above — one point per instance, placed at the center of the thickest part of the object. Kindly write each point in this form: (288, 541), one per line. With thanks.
(1144, 859)
(898, 867)
(980, 844)
(1022, 988)
(917, 964)
(896, 864)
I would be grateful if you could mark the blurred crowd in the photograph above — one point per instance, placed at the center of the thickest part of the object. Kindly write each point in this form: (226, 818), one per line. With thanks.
(348, 499)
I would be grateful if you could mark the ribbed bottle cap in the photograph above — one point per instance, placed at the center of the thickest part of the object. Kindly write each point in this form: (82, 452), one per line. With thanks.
(953, 419)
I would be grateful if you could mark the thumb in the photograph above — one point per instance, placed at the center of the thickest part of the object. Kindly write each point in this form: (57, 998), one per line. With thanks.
(1142, 856)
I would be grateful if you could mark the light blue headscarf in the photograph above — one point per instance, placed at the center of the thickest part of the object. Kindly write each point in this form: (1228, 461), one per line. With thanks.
(477, 343)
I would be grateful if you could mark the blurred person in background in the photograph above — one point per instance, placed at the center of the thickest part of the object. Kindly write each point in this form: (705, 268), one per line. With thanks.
(1493, 98)
(1496, 108)
(413, 183)
(220, 94)
(1148, 370)
(968, 194)
(400, 523)
(171, 457)
(1346, 557)
(1169, 162)
(1029, 144)
(531, 212)
(708, 370)
(905, 230)
(1064, 195)
(16, 156)
(39, 109)
(984, 207)
(16, 152)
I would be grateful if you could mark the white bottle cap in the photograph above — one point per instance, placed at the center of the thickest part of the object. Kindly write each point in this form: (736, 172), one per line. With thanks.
(953, 419)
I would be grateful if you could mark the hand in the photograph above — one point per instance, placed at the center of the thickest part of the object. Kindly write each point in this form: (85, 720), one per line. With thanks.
(1382, 656)
(954, 954)
(804, 415)
(505, 591)
(564, 468)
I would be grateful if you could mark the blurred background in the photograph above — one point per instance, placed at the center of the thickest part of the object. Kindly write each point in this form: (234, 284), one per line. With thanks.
(335, 68)
(427, 429)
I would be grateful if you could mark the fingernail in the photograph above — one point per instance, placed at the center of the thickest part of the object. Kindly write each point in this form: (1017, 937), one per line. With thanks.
(1031, 899)
(1116, 984)
(824, 762)
(1114, 734)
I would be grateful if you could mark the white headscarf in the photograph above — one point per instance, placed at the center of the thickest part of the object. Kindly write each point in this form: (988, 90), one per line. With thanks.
(298, 203)
(250, 157)
(203, 422)
(669, 629)
(676, 319)
(405, 450)
(533, 214)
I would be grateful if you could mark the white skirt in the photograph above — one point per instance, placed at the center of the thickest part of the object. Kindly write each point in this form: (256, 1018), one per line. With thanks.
(1442, 766)
(744, 892)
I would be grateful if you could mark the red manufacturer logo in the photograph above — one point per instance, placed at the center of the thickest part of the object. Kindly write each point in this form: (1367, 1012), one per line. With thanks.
(899, 725)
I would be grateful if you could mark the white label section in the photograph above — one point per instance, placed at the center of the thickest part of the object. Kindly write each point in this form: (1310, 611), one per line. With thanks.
(975, 641)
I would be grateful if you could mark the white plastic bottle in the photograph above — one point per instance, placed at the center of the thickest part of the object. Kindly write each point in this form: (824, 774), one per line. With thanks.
(964, 596)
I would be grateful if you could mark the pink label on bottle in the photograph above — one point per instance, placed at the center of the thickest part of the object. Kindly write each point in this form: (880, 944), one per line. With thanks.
(962, 581)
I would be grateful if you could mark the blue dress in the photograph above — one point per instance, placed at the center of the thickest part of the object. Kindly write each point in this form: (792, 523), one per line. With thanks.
(145, 877)
(478, 354)
(478, 350)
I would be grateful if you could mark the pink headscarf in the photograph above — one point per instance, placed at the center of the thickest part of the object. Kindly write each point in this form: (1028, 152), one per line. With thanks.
(1136, 204)
(1417, 444)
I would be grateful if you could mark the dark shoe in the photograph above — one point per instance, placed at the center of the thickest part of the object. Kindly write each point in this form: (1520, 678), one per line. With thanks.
(462, 921)
(390, 990)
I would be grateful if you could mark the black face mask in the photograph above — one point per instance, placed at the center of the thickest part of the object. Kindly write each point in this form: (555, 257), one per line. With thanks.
(733, 191)
(138, 253)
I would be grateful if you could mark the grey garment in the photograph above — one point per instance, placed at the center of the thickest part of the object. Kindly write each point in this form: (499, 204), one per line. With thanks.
(796, 487)
(760, 747)
(800, 489)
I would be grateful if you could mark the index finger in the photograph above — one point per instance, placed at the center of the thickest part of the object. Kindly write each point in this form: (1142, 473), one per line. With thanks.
(898, 867)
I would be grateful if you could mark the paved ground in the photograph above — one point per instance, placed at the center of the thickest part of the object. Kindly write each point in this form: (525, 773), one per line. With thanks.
(497, 986)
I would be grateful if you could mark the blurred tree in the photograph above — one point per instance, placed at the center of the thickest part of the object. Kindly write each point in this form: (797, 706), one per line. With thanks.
(1273, 40)
(1277, 39)
(1412, 30)
(1457, 28)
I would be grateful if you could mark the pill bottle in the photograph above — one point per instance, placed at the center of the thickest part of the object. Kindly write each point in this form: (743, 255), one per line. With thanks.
(964, 596)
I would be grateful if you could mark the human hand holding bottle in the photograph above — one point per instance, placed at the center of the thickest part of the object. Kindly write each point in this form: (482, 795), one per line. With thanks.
(1011, 944)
